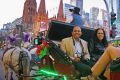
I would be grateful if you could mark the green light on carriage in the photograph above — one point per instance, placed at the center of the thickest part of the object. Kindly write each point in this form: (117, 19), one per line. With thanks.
(65, 78)
(37, 78)
(36, 41)
(49, 73)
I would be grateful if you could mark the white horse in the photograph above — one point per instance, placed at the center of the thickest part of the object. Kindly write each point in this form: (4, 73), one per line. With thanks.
(16, 60)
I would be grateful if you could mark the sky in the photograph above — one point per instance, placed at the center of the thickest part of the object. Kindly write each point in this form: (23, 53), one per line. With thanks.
(12, 9)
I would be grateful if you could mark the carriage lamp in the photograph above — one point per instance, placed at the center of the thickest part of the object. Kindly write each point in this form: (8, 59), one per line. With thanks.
(36, 41)
(50, 73)
(65, 78)
(37, 78)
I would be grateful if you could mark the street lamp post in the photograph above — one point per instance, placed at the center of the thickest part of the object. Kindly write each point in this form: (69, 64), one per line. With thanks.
(109, 20)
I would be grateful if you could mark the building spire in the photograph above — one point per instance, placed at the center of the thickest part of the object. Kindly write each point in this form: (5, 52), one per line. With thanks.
(30, 10)
(60, 15)
(42, 8)
(41, 19)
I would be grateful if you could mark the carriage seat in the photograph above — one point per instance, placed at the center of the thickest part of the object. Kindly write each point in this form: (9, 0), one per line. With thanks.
(59, 30)
(57, 43)
(115, 69)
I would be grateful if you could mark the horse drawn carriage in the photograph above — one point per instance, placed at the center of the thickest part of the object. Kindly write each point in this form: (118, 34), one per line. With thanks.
(55, 64)
(56, 60)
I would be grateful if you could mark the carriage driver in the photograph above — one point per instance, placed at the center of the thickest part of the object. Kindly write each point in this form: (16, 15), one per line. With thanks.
(12, 39)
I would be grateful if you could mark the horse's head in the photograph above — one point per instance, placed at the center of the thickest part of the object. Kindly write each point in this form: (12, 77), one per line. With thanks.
(24, 63)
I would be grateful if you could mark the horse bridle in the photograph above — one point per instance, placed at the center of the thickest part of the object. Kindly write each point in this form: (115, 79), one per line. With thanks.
(21, 56)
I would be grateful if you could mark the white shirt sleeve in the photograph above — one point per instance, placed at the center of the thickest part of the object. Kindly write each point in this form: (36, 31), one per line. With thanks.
(69, 20)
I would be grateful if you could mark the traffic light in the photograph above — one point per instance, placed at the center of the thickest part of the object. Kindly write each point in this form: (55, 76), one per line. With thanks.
(113, 25)
(113, 19)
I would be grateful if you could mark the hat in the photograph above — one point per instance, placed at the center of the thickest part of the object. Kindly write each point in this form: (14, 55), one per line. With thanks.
(76, 10)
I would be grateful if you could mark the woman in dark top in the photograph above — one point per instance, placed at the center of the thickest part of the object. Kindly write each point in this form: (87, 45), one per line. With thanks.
(96, 48)
(98, 44)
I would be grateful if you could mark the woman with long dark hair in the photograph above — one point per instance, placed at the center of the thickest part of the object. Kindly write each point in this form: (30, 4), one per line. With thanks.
(98, 44)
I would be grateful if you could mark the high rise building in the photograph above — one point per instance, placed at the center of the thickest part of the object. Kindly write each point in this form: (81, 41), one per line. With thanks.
(118, 17)
(67, 13)
(118, 11)
(94, 11)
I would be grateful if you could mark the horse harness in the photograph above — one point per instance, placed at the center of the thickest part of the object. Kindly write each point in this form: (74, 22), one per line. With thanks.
(6, 51)
(21, 57)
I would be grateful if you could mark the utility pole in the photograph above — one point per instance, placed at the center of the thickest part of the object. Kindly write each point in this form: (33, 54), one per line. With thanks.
(112, 7)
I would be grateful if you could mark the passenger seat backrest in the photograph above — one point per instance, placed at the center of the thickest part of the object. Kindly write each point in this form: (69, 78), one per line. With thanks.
(59, 30)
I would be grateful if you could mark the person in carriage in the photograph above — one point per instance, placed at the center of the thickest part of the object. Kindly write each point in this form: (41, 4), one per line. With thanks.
(77, 49)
